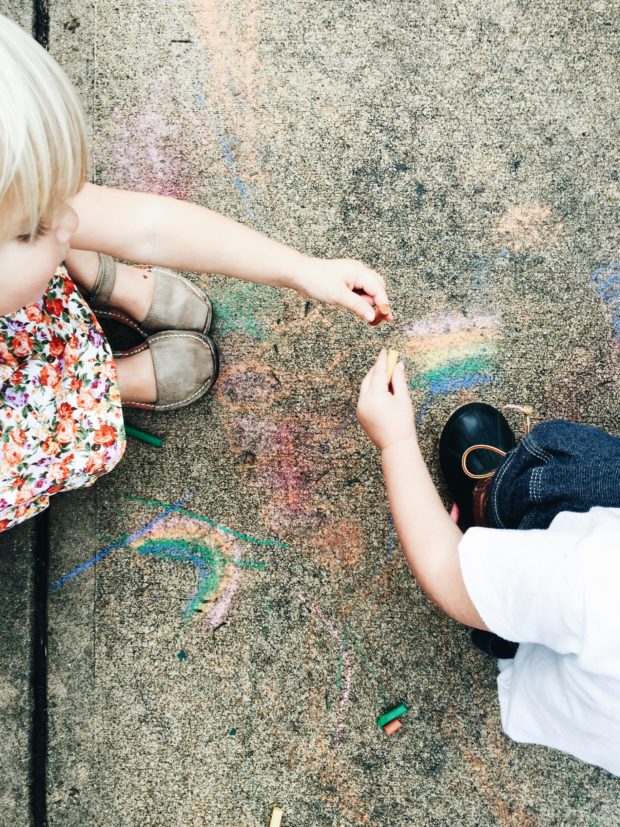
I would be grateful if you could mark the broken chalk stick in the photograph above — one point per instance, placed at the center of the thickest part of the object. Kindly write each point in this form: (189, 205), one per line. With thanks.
(143, 436)
(276, 817)
(393, 726)
(389, 716)
(392, 358)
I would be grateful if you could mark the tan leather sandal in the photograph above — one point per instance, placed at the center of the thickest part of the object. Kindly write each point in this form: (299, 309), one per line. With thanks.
(186, 366)
(177, 303)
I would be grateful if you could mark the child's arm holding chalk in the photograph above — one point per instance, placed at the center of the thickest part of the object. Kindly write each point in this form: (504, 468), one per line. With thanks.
(429, 538)
(154, 229)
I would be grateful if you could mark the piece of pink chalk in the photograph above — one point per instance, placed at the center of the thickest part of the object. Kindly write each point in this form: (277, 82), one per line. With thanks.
(455, 513)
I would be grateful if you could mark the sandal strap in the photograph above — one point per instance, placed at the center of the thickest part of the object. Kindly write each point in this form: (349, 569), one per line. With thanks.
(473, 448)
(104, 283)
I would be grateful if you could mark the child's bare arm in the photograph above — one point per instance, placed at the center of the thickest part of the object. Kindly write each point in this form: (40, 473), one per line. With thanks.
(154, 229)
(428, 536)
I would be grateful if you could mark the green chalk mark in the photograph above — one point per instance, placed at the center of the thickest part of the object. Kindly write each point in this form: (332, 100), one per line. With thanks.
(222, 528)
(391, 715)
(181, 655)
(327, 702)
(236, 312)
(483, 363)
(240, 563)
(232, 731)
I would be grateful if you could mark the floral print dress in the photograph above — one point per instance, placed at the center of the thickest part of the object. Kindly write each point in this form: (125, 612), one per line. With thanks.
(61, 423)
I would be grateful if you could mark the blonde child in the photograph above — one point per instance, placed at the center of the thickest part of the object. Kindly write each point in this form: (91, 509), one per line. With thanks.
(61, 391)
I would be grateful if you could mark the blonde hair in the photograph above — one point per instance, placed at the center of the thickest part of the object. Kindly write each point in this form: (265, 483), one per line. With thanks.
(43, 148)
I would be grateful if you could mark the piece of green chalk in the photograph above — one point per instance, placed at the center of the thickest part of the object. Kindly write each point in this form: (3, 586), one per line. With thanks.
(136, 433)
(391, 715)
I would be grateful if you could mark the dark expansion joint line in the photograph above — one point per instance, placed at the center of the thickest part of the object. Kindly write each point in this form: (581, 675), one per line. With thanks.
(39, 730)
(41, 22)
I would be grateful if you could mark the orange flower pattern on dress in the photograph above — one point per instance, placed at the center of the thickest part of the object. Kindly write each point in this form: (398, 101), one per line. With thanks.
(61, 423)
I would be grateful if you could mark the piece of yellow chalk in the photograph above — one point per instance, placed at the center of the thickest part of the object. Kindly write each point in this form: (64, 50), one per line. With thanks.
(392, 358)
(276, 817)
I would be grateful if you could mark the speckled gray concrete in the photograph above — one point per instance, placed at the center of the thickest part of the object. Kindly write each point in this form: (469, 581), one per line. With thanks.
(467, 150)
(16, 600)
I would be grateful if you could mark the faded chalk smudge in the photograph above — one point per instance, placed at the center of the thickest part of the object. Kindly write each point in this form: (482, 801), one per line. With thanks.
(449, 323)
(227, 154)
(528, 226)
(606, 281)
(147, 149)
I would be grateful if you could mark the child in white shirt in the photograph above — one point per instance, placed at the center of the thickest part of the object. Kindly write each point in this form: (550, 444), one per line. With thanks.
(545, 575)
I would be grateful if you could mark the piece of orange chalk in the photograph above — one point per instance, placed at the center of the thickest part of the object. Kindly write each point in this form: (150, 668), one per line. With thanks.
(392, 359)
(276, 817)
(378, 318)
(382, 311)
(393, 727)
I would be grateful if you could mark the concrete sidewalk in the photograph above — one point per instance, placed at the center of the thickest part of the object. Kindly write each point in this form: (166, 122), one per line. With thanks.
(250, 614)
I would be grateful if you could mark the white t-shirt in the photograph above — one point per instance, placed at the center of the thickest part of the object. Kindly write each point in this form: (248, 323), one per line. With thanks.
(556, 592)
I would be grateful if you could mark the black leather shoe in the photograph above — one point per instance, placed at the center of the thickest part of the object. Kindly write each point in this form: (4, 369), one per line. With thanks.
(463, 464)
(493, 645)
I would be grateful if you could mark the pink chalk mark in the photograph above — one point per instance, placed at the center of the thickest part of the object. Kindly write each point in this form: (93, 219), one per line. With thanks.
(146, 148)
(436, 325)
(346, 660)
(220, 610)
(327, 623)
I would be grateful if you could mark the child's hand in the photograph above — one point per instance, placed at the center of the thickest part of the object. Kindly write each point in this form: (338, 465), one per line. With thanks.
(347, 283)
(386, 416)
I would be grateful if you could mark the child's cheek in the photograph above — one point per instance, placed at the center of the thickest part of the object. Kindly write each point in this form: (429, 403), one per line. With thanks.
(26, 272)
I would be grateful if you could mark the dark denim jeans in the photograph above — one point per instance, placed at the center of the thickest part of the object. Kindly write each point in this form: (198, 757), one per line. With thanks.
(558, 466)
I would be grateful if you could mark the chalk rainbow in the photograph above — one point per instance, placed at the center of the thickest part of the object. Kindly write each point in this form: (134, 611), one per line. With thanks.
(451, 352)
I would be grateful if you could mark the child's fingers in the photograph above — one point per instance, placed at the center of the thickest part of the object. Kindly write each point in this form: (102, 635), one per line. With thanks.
(379, 372)
(400, 385)
(368, 299)
(358, 304)
(373, 285)
(373, 290)
(366, 382)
